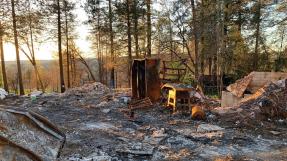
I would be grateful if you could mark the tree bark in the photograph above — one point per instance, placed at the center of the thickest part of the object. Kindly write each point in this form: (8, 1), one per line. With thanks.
(99, 54)
(170, 37)
(38, 77)
(5, 83)
(129, 41)
(224, 40)
(67, 45)
(257, 35)
(21, 88)
(196, 40)
(148, 5)
(136, 33)
(73, 68)
(106, 62)
(62, 81)
(34, 63)
(83, 61)
(239, 12)
(112, 81)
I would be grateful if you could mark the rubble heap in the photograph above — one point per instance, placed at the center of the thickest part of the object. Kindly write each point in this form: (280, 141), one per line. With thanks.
(239, 87)
(28, 136)
(3, 93)
(90, 89)
(247, 86)
(267, 104)
(100, 124)
(269, 100)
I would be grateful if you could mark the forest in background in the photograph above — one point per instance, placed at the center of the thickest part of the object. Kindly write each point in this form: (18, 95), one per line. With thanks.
(208, 37)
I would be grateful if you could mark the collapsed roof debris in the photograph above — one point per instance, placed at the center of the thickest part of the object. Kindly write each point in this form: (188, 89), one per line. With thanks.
(269, 100)
(266, 105)
(240, 86)
(250, 84)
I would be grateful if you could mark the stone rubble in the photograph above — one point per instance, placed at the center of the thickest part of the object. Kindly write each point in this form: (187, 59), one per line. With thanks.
(3, 93)
(267, 105)
(208, 128)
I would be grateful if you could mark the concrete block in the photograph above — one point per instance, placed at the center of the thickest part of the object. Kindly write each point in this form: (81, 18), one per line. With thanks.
(229, 100)
(260, 79)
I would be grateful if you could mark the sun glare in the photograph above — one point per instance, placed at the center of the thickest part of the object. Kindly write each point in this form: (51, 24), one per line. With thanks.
(43, 53)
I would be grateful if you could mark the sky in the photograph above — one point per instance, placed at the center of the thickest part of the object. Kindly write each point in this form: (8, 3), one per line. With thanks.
(47, 51)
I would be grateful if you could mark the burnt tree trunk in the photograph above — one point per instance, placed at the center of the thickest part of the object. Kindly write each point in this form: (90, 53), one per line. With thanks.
(62, 81)
(196, 40)
(257, 35)
(129, 41)
(34, 63)
(5, 83)
(19, 74)
(112, 81)
(67, 46)
(136, 34)
(148, 6)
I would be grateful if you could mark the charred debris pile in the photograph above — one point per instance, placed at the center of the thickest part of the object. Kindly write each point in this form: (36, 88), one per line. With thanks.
(93, 122)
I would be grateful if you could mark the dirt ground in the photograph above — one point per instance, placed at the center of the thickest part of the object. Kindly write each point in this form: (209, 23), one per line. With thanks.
(102, 130)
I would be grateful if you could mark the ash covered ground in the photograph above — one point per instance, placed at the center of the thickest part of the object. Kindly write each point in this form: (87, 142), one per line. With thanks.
(98, 127)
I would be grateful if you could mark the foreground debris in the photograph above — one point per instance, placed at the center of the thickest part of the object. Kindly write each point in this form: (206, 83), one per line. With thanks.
(250, 84)
(97, 128)
(270, 100)
(240, 86)
(267, 105)
(3, 93)
(87, 90)
(26, 136)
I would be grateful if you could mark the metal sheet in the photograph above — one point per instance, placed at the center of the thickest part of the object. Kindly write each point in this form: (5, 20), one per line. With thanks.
(145, 79)
(152, 78)
(29, 136)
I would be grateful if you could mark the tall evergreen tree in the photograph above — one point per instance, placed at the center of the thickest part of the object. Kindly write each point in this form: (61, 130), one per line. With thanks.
(112, 79)
(62, 81)
(149, 27)
(21, 88)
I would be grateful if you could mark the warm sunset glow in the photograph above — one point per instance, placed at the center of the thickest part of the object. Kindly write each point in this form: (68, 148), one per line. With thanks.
(43, 53)
(47, 50)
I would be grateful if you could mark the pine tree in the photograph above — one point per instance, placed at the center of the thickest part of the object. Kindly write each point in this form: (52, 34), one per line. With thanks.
(21, 88)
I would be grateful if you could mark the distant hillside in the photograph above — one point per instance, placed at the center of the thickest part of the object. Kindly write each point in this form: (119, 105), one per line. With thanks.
(50, 68)
(45, 63)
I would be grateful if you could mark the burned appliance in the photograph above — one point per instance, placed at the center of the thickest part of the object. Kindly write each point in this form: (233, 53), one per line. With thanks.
(145, 79)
